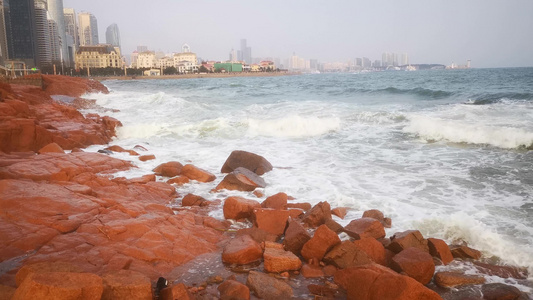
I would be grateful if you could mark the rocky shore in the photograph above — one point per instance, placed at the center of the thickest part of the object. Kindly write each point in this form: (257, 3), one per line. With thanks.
(71, 230)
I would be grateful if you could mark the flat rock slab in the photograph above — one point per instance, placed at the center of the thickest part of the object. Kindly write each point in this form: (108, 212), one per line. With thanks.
(268, 287)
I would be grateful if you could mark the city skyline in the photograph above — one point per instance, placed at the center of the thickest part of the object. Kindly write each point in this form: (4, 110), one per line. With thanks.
(490, 33)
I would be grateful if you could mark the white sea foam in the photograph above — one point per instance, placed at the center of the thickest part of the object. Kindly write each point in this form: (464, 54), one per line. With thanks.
(457, 131)
(293, 126)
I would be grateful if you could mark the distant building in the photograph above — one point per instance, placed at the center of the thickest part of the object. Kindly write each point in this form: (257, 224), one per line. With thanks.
(267, 65)
(152, 72)
(233, 56)
(404, 59)
(146, 60)
(71, 33)
(165, 62)
(141, 49)
(55, 42)
(98, 56)
(377, 64)
(42, 35)
(56, 13)
(228, 67)
(4, 12)
(112, 35)
(87, 29)
(366, 63)
(246, 52)
(186, 61)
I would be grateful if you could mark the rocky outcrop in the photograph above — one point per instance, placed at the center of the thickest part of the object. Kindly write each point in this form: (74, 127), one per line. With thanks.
(253, 162)
(168, 169)
(317, 215)
(410, 238)
(322, 241)
(60, 285)
(239, 208)
(453, 279)
(271, 220)
(241, 179)
(279, 260)
(365, 227)
(439, 249)
(242, 250)
(295, 237)
(415, 263)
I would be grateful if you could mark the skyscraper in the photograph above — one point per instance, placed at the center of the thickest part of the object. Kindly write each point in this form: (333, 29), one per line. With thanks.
(71, 33)
(43, 55)
(21, 36)
(55, 10)
(87, 29)
(112, 35)
(246, 52)
(55, 41)
(4, 11)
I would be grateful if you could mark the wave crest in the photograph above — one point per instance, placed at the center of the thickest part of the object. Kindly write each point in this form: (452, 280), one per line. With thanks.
(293, 126)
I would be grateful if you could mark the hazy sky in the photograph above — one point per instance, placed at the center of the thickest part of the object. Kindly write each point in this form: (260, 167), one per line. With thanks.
(492, 33)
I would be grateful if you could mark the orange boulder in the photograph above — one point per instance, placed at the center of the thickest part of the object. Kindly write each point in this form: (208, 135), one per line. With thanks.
(277, 201)
(60, 285)
(51, 148)
(295, 237)
(239, 208)
(168, 169)
(233, 290)
(407, 239)
(279, 260)
(317, 215)
(346, 254)
(415, 263)
(438, 248)
(339, 212)
(253, 162)
(195, 173)
(365, 227)
(452, 279)
(126, 284)
(271, 220)
(242, 250)
(322, 241)
(241, 179)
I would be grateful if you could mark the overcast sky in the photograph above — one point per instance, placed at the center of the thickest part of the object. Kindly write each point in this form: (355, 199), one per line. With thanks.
(492, 33)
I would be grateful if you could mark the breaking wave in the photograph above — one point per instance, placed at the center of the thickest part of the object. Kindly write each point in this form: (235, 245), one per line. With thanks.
(293, 126)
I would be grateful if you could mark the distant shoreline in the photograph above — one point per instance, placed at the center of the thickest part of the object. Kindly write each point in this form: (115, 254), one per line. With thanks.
(188, 76)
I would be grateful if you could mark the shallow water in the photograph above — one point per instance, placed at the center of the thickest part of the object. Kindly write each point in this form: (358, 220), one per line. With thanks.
(443, 151)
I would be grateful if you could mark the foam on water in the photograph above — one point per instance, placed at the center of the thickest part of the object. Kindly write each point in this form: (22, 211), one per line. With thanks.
(293, 126)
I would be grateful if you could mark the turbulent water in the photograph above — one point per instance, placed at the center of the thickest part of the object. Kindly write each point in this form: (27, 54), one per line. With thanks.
(442, 151)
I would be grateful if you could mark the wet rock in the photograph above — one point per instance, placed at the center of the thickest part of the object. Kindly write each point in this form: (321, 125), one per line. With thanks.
(378, 282)
(176, 292)
(311, 271)
(415, 263)
(334, 226)
(438, 248)
(6, 292)
(108, 152)
(195, 173)
(60, 285)
(180, 180)
(143, 179)
(271, 220)
(322, 290)
(216, 224)
(253, 162)
(273, 245)
(239, 208)
(51, 148)
(126, 284)
(44, 267)
(464, 252)
(194, 200)
(145, 157)
(378, 215)
(279, 260)
(267, 287)
(168, 169)
(242, 250)
(257, 234)
(346, 254)
(339, 212)
(322, 241)
(407, 239)
(501, 271)
(500, 291)
(365, 227)
(373, 249)
(453, 279)
(233, 290)
(329, 270)
(277, 201)
(295, 213)
(303, 206)
(241, 179)
(295, 237)
(116, 148)
(317, 215)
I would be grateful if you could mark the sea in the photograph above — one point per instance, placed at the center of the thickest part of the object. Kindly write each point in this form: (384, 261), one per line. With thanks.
(447, 152)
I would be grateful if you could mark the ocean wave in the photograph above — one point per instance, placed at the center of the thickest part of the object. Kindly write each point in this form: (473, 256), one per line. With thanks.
(436, 129)
(370, 117)
(487, 99)
(293, 126)
(420, 92)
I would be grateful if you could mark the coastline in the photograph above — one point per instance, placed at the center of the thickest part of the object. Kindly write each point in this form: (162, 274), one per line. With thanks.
(207, 75)
(123, 231)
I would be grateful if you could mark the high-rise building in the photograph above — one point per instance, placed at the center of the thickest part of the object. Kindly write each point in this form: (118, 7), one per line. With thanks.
(56, 13)
(142, 49)
(42, 37)
(21, 35)
(404, 59)
(246, 52)
(71, 33)
(87, 29)
(55, 42)
(112, 35)
(4, 11)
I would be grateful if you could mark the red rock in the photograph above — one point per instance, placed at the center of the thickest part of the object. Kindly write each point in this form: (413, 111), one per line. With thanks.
(271, 220)
(407, 239)
(51, 148)
(116, 148)
(176, 292)
(439, 248)
(311, 271)
(216, 224)
(60, 285)
(336, 227)
(365, 227)
(258, 193)
(464, 252)
(303, 206)
(329, 270)
(500, 291)
(415, 263)
(258, 235)
(146, 157)
(180, 180)
(44, 267)
(277, 201)
(267, 287)
(144, 179)
(279, 260)
(233, 290)
(295, 237)
(346, 254)
(295, 213)
(242, 250)
(317, 215)
(241, 179)
(378, 282)
(195, 173)
(322, 241)
(269, 244)
(6, 292)
(126, 284)
(239, 208)
(194, 200)
(168, 169)
(453, 279)
(501, 271)
(250, 161)
(374, 249)
(339, 212)
(324, 291)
